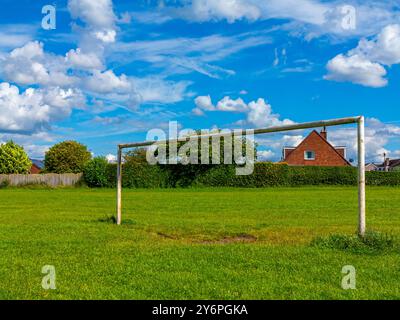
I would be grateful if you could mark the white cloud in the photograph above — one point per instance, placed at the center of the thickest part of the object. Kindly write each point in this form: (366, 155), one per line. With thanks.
(186, 55)
(204, 103)
(230, 105)
(232, 10)
(265, 155)
(261, 115)
(309, 11)
(98, 16)
(35, 109)
(311, 18)
(107, 82)
(30, 65)
(356, 69)
(84, 61)
(384, 49)
(111, 158)
(158, 90)
(15, 35)
(258, 113)
(365, 65)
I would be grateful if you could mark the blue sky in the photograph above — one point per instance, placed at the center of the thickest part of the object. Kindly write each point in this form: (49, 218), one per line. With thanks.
(112, 70)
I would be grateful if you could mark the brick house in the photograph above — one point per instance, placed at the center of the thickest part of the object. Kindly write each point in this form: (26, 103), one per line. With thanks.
(315, 150)
(37, 166)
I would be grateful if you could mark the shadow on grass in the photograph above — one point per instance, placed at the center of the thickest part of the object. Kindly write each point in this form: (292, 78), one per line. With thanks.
(113, 220)
(372, 243)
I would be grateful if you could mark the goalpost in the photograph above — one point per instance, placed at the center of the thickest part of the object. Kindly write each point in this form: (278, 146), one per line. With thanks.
(360, 121)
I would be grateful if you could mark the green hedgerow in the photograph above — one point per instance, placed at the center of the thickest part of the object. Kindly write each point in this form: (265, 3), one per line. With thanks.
(95, 172)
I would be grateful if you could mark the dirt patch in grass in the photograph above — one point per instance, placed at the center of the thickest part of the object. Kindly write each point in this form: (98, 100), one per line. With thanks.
(166, 236)
(241, 238)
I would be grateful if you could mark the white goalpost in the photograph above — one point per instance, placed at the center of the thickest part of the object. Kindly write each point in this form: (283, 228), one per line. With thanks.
(360, 121)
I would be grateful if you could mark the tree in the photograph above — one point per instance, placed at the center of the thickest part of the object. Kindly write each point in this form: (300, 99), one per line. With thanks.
(67, 157)
(184, 173)
(136, 156)
(13, 159)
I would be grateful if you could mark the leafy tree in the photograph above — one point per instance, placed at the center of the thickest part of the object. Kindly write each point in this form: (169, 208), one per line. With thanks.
(184, 174)
(96, 172)
(67, 157)
(13, 159)
(136, 156)
(211, 151)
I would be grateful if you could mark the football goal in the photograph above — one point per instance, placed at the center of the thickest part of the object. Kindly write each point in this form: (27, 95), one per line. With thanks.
(360, 121)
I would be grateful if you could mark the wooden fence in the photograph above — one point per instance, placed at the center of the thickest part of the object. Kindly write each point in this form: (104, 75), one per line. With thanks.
(51, 179)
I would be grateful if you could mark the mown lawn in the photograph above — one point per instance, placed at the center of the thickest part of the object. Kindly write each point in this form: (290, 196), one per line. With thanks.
(193, 244)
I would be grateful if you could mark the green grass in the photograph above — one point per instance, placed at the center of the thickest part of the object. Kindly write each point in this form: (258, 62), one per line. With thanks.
(195, 244)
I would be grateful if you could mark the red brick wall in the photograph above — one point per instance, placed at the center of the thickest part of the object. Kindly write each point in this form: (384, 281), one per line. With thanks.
(287, 152)
(341, 151)
(325, 155)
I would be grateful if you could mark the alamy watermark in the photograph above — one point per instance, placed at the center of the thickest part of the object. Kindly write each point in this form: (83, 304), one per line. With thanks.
(49, 21)
(349, 280)
(349, 19)
(202, 147)
(49, 280)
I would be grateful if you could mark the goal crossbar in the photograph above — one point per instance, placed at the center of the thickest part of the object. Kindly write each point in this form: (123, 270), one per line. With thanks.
(359, 120)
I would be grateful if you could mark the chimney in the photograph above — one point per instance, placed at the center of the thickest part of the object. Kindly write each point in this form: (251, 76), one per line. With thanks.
(324, 133)
(386, 162)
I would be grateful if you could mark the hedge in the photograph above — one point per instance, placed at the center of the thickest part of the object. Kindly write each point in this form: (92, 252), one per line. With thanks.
(138, 176)
(264, 175)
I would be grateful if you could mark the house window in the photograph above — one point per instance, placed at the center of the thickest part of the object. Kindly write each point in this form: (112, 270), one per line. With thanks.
(309, 155)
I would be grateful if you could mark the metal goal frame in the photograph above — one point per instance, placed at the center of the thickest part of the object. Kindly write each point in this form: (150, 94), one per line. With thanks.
(360, 121)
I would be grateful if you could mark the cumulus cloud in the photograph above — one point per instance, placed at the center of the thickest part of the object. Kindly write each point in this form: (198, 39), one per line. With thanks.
(258, 113)
(365, 65)
(107, 82)
(84, 61)
(98, 16)
(356, 69)
(35, 109)
(30, 65)
(265, 155)
(384, 49)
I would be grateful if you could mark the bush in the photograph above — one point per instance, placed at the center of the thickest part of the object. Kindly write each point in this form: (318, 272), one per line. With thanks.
(4, 184)
(95, 172)
(13, 159)
(67, 157)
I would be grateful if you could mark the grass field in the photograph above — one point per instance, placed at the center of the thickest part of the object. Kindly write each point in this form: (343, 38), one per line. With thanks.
(193, 244)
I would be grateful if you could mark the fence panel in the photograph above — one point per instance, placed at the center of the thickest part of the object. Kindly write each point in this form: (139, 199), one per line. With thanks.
(50, 179)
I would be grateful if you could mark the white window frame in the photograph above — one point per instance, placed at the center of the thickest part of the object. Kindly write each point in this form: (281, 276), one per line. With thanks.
(306, 155)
